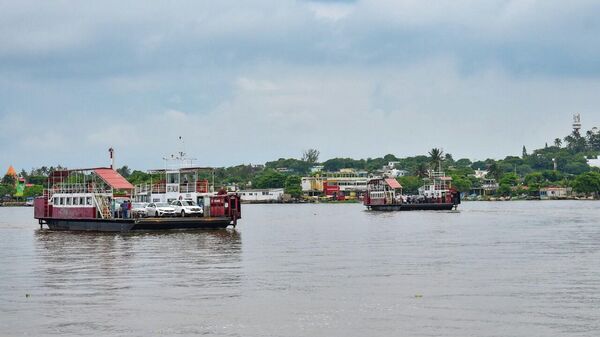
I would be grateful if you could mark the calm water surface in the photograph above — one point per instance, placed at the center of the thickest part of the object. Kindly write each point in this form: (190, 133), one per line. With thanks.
(492, 269)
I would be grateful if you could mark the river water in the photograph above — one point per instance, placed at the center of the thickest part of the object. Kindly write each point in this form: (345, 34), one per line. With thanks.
(490, 269)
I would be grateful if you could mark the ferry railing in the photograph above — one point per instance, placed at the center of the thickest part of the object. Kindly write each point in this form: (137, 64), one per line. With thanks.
(78, 188)
(197, 187)
(150, 188)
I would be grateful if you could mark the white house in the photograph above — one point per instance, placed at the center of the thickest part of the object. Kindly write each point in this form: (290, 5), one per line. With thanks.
(262, 195)
(480, 174)
(555, 192)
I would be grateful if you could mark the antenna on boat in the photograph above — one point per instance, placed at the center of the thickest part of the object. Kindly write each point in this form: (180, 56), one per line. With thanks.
(112, 157)
(182, 155)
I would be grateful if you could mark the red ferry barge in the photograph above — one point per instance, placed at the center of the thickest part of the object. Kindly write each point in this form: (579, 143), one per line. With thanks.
(437, 194)
(85, 199)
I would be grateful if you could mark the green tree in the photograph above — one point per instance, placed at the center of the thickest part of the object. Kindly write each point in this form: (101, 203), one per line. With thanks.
(336, 164)
(509, 179)
(463, 162)
(33, 191)
(461, 184)
(436, 156)
(410, 184)
(558, 142)
(9, 180)
(125, 171)
(269, 179)
(588, 183)
(534, 178)
(292, 164)
(504, 190)
(422, 170)
(293, 186)
(311, 156)
(494, 171)
(593, 139)
(575, 143)
(7, 190)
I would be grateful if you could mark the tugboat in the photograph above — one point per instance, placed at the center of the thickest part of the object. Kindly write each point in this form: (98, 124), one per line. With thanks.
(437, 194)
(88, 199)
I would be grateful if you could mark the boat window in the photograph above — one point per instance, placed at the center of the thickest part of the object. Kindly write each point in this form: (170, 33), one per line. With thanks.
(69, 200)
(55, 200)
(62, 201)
(81, 200)
(172, 178)
(88, 201)
(75, 201)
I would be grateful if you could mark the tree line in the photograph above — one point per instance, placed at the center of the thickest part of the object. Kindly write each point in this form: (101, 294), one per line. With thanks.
(564, 163)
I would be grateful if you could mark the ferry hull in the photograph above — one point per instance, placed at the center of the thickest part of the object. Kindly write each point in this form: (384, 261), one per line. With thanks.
(413, 207)
(124, 225)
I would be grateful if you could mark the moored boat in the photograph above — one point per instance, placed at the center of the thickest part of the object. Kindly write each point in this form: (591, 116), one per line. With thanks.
(437, 194)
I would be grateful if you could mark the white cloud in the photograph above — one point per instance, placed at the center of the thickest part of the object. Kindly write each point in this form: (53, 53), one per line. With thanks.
(331, 11)
(253, 81)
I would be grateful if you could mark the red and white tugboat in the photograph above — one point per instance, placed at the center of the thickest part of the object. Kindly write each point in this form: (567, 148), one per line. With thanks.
(437, 194)
(88, 199)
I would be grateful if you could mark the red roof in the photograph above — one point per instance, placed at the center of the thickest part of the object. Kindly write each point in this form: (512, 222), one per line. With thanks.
(113, 179)
(393, 183)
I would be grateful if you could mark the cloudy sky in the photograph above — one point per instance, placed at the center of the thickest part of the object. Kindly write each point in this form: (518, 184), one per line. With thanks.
(251, 81)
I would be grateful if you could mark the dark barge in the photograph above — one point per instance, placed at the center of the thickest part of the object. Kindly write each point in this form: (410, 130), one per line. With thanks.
(123, 225)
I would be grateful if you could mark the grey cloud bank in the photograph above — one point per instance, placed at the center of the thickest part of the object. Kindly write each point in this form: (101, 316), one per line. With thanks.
(254, 81)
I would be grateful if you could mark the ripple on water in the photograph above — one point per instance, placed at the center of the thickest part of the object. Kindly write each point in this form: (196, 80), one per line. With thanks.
(491, 269)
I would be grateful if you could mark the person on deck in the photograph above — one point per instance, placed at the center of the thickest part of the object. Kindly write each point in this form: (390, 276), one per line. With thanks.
(124, 209)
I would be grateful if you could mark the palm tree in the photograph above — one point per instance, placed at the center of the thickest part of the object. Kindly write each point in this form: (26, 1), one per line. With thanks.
(435, 158)
(422, 170)
(558, 142)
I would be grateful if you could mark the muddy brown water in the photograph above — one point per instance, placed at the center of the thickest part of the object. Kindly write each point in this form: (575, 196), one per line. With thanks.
(491, 269)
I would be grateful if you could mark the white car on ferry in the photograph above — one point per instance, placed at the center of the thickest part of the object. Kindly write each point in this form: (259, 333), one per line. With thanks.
(159, 209)
(186, 208)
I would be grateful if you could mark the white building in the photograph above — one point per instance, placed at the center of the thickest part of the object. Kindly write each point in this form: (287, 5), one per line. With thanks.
(480, 174)
(555, 192)
(317, 168)
(262, 195)
(395, 173)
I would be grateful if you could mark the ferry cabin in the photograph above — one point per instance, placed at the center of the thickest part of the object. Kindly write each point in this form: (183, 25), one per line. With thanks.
(82, 194)
(175, 184)
(437, 187)
(382, 191)
(186, 184)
